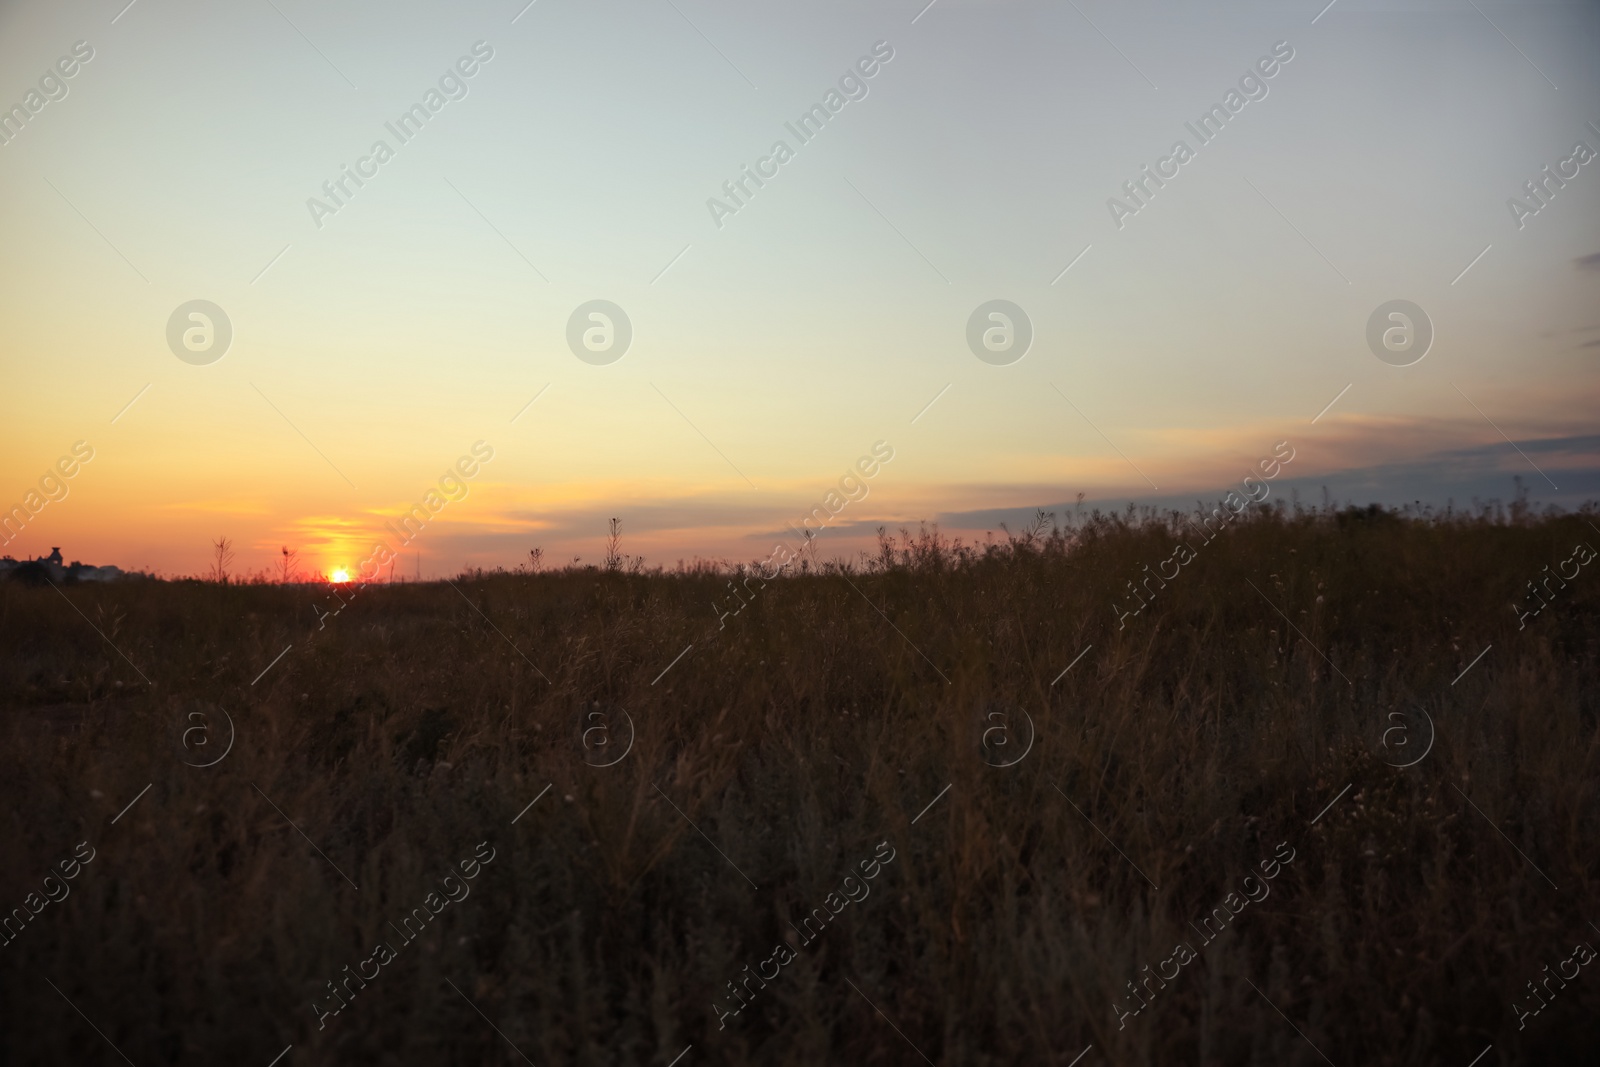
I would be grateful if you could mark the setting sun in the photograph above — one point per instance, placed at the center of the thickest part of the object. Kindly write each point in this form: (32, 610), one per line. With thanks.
(339, 576)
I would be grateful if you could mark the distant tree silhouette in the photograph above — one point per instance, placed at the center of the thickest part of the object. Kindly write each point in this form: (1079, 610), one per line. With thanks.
(288, 569)
(30, 572)
(221, 560)
(614, 546)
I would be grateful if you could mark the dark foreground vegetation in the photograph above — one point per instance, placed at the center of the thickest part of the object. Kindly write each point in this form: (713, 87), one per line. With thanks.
(1233, 744)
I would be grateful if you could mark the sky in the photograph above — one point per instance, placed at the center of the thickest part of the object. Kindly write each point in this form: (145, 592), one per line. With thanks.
(779, 333)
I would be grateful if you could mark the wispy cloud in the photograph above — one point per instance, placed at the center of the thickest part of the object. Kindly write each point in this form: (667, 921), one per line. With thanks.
(1479, 471)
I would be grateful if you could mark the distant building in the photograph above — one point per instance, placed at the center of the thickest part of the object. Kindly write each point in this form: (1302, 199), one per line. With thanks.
(52, 568)
(84, 572)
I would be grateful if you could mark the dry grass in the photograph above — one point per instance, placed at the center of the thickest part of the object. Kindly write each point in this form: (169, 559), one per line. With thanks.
(797, 739)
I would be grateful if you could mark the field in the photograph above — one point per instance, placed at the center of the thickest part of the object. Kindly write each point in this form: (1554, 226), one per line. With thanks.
(1007, 852)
